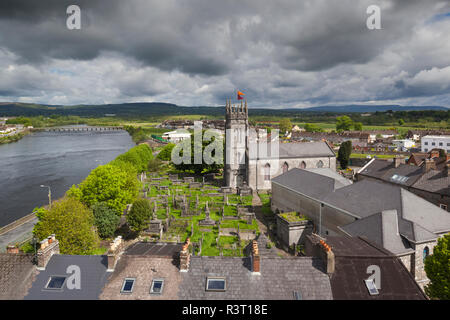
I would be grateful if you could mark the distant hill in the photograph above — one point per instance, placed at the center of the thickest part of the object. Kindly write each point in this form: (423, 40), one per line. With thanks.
(167, 109)
(372, 108)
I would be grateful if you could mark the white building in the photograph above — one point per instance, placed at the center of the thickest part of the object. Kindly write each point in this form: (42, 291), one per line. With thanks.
(404, 144)
(176, 136)
(435, 142)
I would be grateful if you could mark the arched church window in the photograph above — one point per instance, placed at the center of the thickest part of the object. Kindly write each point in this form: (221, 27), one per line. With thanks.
(426, 252)
(285, 167)
(267, 172)
(303, 165)
(320, 164)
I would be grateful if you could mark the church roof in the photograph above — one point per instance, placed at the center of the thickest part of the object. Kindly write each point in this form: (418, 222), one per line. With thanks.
(298, 150)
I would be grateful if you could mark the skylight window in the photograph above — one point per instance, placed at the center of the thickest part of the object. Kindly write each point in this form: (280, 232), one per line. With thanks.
(55, 283)
(157, 286)
(128, 285)
(370, 284)
(399, 179)
(215, 284)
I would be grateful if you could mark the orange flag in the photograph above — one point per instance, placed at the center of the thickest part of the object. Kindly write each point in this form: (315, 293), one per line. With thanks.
(239, 95)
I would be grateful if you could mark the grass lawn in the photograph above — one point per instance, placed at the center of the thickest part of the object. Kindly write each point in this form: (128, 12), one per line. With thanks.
(379, 156)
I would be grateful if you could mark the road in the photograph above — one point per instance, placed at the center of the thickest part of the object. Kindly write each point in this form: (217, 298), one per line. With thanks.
(17, 235)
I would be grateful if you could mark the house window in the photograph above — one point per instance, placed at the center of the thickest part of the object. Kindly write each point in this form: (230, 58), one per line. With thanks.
(440, 143)
(433, 144)
(448, 144)
(267, 172)
(157, 286)
(55, 282)
(303, 165)
(426, 143)
(426, 149)
(285, 167)
(215, 284)
(128, 285)
(426, 253)
(443, 206)
(320, 164)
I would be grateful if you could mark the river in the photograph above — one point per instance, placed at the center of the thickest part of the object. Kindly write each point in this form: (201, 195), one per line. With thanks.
(55, 159)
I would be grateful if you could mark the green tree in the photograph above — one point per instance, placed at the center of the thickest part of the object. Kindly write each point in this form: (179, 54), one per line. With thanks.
(285, 125)
(110, 184)
(166, 153)
(343, 123)
(344, 153)
(310, 127)
(139, 215)
(138, 156)
(105, 219)
(401, 122)
(357, 126)
(437, 267)
(72, 224)
(206, 147)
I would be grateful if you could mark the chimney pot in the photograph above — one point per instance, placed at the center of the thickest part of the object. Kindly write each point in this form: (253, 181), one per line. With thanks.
(12, 249)
(398, 161)
(48, 248)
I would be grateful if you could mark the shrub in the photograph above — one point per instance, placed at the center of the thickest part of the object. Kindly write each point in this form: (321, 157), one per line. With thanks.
(105, 219)
(139, 215)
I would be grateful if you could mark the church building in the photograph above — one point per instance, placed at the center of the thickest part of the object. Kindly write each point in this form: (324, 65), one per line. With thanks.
(250, 159)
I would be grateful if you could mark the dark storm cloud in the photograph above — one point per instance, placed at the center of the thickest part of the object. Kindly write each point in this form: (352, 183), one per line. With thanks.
(279, 52)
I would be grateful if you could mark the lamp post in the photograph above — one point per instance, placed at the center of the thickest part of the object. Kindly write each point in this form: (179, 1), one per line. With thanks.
(49, 195)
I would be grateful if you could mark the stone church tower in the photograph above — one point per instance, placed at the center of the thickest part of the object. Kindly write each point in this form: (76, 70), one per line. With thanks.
(236, 155)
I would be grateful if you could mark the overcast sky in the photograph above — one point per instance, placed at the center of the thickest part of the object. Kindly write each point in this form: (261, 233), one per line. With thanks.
(199, 52)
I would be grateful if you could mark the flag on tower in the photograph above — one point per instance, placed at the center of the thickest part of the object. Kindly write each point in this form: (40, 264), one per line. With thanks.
(239, 95)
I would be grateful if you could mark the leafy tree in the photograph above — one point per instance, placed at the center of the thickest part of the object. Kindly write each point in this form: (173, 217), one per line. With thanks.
(72, 224)
(310, 127)
(105, 219)
(139, 215)
(442, 153)
(343, 123)
(203, 167)
(437, 267)
(166, 153)
(285, 125)
(110, 184)
(344, 153)
(138, 156)
(401, 122)
(357, 126)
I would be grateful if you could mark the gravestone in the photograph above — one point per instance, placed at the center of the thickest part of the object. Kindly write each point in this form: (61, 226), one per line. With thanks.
(188, 179)
(207, 221)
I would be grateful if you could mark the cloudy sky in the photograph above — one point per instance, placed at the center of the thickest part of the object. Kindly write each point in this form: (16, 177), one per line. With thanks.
(282, 53)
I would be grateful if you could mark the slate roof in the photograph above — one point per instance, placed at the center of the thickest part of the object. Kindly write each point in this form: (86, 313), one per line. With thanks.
(300, 150)
(432, 181)
(16, 275)
(352, 258)
(144, 269)
(373, 204)
(154, 249)
(278, 280)
(93, 277)
(308, 182)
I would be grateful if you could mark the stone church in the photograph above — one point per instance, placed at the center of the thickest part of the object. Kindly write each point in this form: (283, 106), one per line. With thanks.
(253, 159)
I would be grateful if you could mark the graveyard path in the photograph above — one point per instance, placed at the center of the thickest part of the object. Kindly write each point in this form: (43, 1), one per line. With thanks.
(257, 207)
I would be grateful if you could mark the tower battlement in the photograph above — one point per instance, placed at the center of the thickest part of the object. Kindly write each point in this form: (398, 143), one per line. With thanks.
(236, 111)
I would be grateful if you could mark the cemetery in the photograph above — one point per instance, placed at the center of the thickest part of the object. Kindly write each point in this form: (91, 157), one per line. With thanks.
(217, 221)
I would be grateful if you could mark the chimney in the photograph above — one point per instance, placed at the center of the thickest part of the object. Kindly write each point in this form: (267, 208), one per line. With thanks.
(113, 253)
(428, 165)
(398, 160)
(48, 248)
(12, 249)
(434, 153)
(317, 247)
(185, 256)
(256, 258)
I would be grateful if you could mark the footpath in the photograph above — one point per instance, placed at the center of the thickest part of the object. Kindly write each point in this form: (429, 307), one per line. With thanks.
(17, 232)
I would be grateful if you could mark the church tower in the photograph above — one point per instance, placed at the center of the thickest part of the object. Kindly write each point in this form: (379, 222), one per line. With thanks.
(236, 155)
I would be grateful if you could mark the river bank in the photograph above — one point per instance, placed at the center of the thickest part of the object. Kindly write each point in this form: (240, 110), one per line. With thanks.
(15, 137)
